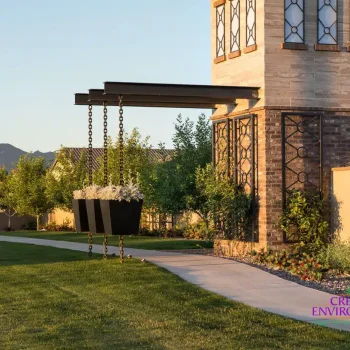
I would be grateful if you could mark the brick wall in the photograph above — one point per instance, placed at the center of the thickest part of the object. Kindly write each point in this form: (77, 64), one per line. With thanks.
(336, 153)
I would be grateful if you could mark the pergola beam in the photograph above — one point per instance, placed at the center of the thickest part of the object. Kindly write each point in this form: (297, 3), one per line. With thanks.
(85, 100)
(177, 90)
(167, 95)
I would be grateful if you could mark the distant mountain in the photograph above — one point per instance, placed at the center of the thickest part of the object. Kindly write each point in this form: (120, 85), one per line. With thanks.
(9, 155)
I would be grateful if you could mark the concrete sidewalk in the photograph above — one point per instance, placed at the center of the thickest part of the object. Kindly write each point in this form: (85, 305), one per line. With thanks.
(234, 280)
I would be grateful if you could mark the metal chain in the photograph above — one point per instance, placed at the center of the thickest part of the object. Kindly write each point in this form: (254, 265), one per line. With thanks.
(90, 244)
(121, 142)
(90, 170)
(121, 166)
(105, 247)
(105, 151)
(121, 248)
(90, 145)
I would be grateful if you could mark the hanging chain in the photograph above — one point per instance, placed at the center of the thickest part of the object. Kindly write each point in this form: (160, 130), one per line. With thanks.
(121, 142)
(121, 248)
(90, 170)
(105, 137)
(121, 166)
(90, 145)
(105, 169)
(105, 246)
(90, 243)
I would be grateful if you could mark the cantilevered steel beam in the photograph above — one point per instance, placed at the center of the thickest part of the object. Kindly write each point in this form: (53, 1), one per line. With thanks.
(137, 101)
(180, 91)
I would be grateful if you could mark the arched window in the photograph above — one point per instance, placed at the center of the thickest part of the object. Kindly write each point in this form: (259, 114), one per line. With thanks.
(327, 28)
(294, 19)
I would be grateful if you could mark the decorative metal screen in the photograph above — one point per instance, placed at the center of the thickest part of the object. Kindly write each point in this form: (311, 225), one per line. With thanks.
(301, 155)
(235, 150)
(220, 30)
(294, 19)
(221, 147)
(245, 167)
(327, 21)
(245, 149)
(235, 25)
(251, 22)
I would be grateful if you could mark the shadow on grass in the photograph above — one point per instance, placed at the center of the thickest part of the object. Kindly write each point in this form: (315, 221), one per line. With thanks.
(27, 254)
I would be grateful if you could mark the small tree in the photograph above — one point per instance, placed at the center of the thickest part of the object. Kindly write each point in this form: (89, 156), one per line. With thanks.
(174, 187)
(67, 176)
(6, 197)
(137, 163)
(221, 201)
(28, 187)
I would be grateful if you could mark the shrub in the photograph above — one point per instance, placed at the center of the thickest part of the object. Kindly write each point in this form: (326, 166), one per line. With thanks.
(296, 262)
(174, 233)
(145, 231)
(30, 226)
(199, 231)
(64, 227)
(337, 256)
(304, 220)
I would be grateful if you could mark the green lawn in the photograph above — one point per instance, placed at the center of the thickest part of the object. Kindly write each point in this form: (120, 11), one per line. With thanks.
(142, 242)
(60, 299)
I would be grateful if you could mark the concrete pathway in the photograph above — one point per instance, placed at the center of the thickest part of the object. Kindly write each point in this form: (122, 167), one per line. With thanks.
(236, 281)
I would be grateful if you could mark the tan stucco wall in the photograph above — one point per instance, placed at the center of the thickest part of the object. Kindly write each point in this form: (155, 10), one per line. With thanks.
(341, 202)
(59, 216)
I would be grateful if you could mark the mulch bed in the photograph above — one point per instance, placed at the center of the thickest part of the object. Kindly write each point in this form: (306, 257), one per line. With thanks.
(333, 284)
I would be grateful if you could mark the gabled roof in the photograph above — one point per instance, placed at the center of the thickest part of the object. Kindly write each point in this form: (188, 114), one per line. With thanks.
(155, 155)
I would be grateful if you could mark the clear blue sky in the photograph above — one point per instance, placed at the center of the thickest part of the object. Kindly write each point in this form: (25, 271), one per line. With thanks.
(52, 49)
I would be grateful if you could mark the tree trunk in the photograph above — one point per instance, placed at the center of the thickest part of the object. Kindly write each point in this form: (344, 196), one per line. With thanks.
(207, 228)
(9, 220)
(37, 222)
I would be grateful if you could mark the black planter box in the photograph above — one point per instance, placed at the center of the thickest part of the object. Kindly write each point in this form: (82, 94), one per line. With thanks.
(121, 217)
(80, 215)
(94, 215)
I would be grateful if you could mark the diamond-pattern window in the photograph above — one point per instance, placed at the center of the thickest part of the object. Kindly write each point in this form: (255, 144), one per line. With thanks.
(235, 25)
(220, 30)
(328, 22)
(251, 22)
(294, 31)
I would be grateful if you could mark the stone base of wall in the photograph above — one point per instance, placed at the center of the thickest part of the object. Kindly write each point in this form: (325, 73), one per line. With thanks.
(232, 248)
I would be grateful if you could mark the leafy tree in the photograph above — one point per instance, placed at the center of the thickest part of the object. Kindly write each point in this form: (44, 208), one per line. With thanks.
(138, 166)
(222, 202)
(67, 176)
(28, 187)
(6, 197)
(304, 219)
(174, 187)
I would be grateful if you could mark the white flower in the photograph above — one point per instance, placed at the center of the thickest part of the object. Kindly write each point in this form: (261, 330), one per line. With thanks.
(119, 193)
(93, 192)
(79, 194)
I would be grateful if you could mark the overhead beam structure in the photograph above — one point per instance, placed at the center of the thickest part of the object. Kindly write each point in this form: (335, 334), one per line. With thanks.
(166, 95)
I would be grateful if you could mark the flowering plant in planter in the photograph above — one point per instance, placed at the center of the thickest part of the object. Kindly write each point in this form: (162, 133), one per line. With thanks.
(121, 193)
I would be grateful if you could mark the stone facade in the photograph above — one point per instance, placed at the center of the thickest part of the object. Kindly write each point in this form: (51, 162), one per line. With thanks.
(290, 81)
